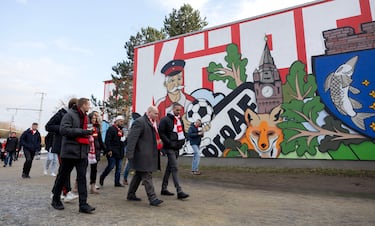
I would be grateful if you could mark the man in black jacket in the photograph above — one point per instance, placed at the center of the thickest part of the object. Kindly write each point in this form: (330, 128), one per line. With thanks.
(114, 142)
(53, 126)
(172, 133)
(31, 142)
(74, 151)
(10, 147)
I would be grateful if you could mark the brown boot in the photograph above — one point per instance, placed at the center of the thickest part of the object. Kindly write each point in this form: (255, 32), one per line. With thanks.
(93, 189)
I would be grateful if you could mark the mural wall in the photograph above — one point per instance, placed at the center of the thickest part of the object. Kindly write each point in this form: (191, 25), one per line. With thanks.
(298, 83)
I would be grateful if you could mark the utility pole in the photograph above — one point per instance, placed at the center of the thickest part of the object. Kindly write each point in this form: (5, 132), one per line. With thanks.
(42, 94)
(15, 112)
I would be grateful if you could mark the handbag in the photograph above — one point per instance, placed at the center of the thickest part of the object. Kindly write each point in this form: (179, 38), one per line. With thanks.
(92, 158)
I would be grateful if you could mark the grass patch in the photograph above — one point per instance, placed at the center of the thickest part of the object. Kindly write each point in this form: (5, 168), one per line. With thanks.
(297, 171)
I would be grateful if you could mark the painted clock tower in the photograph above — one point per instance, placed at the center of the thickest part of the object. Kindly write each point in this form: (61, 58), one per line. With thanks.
(267, 83)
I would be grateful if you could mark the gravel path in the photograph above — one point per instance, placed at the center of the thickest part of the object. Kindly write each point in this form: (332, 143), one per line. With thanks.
(27, 202)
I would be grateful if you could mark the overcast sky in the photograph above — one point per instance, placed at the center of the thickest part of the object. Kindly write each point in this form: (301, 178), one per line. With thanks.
(67, 48)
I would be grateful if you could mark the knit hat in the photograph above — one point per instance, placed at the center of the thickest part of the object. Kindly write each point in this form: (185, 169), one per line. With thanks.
(119, 117)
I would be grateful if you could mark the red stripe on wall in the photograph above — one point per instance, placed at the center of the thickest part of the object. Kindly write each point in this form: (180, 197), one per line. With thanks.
(283, 73)
(179, 54)
(300, 36)
(356, 21)
(206, 84)
(269, 41)
(158, 47)
(236, 39)
(135, 80)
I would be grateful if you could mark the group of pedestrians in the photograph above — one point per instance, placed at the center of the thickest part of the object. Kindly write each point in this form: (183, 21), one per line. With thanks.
(74, 140)
(10, 149)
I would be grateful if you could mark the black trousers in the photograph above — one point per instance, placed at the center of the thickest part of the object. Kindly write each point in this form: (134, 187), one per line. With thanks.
(93, 172)
(67, 166)
(66, 188)
(146, 178)
(29, 156)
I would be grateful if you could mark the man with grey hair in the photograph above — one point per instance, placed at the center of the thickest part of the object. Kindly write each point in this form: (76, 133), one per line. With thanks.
(143, 153)
(114, 141)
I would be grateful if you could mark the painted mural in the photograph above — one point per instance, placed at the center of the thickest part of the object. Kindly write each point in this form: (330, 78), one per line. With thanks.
(263, 111)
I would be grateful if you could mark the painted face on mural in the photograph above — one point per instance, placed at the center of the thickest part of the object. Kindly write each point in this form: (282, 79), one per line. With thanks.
(174, 83)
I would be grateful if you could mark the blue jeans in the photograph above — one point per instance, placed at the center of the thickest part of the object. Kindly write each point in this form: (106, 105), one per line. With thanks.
(126, 171)
(51, 161)
(111, 164)
(9, 158)
(196, 158)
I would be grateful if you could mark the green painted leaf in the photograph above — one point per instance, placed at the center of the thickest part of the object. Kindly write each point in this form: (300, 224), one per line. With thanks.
(290, 110)
(312, 108)
(234, 62)
(310, 87)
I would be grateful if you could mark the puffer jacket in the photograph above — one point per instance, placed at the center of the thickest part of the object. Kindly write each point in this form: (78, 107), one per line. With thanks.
(70, 129)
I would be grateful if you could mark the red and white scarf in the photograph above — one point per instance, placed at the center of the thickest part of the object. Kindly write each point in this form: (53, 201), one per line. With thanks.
(159, 142)
(178, 128)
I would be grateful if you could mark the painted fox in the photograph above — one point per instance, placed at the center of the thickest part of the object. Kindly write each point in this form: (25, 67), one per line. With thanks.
(262, 134)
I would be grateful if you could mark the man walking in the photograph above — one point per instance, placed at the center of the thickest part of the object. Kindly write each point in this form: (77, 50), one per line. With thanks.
(143, 154)
(11, 147)
(172, 133)
(31, 142)
(74, 150)
(114, 141)
(53, 126)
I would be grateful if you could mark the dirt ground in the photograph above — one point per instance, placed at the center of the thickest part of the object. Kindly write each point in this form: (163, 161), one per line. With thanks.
(220, 196)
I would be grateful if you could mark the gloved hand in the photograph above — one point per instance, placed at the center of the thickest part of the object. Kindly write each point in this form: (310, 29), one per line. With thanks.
(87, 132)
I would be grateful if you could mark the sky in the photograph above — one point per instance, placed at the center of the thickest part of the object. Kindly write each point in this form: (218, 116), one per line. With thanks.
(67, 48)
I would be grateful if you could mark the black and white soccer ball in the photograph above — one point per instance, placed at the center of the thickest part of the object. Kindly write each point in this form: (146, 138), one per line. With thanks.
(200, 109)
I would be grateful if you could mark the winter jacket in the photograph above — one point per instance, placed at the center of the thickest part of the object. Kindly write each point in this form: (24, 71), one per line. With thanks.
(31, 142)
(70, 130)
(48, 140)
(113, 143)
(11, 144)
(142, 147)
(193, 136)
(170, 138)
(98, 142)
(53, 125)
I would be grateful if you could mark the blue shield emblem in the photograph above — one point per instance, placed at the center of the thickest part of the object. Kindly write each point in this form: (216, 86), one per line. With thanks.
(346, 85)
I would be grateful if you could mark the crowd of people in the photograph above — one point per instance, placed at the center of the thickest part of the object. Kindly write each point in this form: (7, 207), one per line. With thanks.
(74, 140)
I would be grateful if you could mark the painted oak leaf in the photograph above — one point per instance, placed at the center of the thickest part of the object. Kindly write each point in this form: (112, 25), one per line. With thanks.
(302, 85)
(234, 74)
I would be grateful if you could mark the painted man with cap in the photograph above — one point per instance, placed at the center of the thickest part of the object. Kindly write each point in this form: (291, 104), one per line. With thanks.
(114, 141)
(174, 84)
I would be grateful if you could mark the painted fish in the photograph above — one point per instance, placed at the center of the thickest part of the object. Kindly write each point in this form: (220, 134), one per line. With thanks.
(338, 83)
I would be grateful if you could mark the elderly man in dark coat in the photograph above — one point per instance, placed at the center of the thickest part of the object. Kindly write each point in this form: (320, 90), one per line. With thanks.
(143, 153)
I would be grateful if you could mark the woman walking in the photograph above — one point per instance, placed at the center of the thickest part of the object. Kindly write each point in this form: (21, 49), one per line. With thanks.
(98, 145)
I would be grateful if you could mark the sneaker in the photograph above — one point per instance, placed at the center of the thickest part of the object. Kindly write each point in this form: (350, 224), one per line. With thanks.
(45, 172)
(53, 174)
(70, 196)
